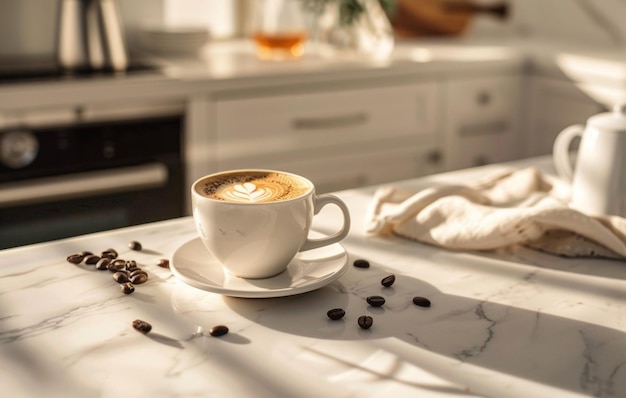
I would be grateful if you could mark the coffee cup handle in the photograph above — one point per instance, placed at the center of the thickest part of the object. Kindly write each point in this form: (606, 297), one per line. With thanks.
(321, 201)
(560, 151)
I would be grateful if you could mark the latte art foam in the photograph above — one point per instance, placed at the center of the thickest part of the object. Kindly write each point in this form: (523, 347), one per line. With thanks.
(253, 187)
(250, 192)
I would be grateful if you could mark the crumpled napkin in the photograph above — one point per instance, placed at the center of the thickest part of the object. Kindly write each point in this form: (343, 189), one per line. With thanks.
(510, 207)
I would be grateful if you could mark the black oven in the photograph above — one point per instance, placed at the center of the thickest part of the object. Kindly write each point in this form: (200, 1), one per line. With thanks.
(82, 170)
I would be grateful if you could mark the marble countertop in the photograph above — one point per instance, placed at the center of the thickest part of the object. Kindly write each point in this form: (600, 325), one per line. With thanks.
(514, 324)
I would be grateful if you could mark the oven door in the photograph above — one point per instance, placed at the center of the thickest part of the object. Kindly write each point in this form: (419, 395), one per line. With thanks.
(88, 202)
(101, 169)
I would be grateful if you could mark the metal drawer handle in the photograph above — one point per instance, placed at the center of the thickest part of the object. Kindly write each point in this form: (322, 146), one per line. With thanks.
(330, 122)
(82, 185)
(487, 128)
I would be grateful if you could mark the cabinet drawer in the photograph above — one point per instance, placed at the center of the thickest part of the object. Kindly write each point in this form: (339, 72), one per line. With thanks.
(478, 151)
(351, 170)
(483, 98)
(481, 121)
(274, 124)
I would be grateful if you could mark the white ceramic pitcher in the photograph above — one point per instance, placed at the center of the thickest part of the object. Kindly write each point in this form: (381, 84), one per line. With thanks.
(598, 177)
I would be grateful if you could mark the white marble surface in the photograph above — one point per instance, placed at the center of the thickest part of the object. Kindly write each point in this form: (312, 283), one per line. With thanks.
(515, 324)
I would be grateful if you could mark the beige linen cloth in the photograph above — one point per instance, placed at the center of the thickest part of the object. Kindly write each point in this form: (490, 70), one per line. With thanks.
(510, 207)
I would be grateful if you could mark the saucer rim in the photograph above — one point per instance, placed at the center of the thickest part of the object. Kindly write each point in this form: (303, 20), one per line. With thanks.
(259, 293)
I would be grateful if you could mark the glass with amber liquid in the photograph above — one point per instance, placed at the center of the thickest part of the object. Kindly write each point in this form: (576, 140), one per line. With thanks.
(279, 29)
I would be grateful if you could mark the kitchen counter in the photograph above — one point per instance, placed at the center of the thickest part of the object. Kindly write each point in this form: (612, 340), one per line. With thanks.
(513, 324)
(232, 65)
(227, 66)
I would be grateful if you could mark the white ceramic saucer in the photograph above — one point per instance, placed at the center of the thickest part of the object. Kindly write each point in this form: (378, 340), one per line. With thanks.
(193, 264)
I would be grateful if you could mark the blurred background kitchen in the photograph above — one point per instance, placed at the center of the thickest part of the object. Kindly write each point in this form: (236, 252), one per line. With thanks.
(29, 26)
(110, 109)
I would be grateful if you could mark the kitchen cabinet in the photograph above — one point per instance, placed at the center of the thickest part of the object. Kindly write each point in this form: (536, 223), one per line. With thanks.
(554, 104)
(340, 138)
(480, 123)
(351, 169)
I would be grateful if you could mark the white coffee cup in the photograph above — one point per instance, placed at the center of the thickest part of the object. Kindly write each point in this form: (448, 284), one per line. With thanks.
(254, 222)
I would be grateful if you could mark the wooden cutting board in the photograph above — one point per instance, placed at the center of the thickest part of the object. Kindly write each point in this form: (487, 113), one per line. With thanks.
(415, 18)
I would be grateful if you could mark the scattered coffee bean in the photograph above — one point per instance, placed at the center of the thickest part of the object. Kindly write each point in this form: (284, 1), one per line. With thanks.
(127, 288)
(92, 259)
(116, 265)
(138, 271)
(75, 258)
(131, 265)
(125, 272)
(163, 263)
(110, 253)
(388, 280)
(103, 263)
(360, 263)
(336, 313)
(421, 301)
(138, 277)
(365, 321)
(142, 326)
(219, 330)
(375, 301)
(120, 277)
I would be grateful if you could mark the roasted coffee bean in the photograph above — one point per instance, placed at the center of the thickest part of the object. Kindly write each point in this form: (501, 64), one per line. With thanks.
(116, 265)
(360, 263)
(134, 245)
(75, 258)
(336, 313)
(127, 287)
(103, 263)
(365, 321)
(421, 301)
(375, 301)
(113, 265)
(92, 259)
(131, 264)
(164, 263)
(110, 253)
(142, 326)
(388, 280)
(120, 277)
(138, 278)
(219, 330)
(133, 269)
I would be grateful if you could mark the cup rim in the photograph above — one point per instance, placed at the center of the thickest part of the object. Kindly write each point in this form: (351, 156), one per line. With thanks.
(310, 190)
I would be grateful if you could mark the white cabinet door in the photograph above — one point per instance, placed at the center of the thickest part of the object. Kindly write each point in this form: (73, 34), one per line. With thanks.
(552, 106)
(340, 139)
(481, 121)
(297, 122)
(352, 169)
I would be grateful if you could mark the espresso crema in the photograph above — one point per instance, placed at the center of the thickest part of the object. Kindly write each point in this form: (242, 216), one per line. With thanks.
(253, 187)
